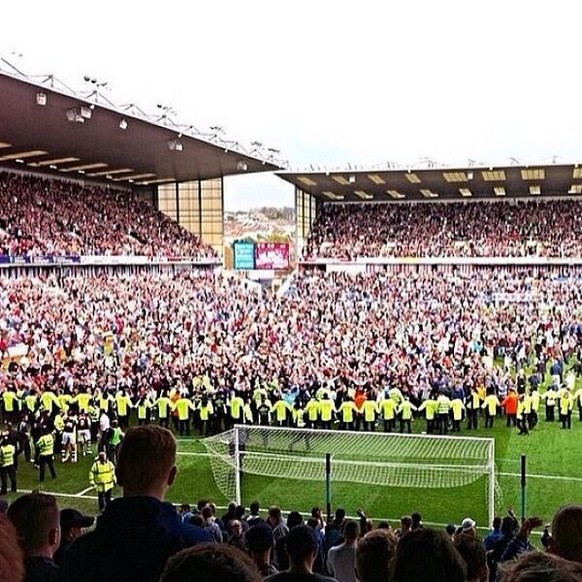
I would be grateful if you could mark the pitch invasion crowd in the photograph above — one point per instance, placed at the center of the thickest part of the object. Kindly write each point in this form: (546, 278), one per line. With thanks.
(499, 229)
(50, 217)
(367, 351)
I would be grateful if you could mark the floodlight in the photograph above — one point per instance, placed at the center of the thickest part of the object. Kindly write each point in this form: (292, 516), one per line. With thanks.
(175, 145)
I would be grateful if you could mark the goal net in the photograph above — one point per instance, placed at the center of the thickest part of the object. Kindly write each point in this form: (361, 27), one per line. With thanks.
(366, 458)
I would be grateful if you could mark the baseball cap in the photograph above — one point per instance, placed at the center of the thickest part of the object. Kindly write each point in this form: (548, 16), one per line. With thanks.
(468, 523)
(71, 518)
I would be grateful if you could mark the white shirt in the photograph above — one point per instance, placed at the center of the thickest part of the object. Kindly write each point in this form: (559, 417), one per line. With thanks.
(341, 562)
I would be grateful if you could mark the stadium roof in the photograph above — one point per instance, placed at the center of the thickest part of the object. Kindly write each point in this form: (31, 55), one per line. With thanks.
(464, 183)
(46, 126)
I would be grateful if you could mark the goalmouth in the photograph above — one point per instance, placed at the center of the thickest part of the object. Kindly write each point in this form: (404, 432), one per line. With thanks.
(369, 458)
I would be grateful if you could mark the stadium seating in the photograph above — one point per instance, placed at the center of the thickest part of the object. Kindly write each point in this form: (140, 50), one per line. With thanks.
(500, 229)
(44, 217)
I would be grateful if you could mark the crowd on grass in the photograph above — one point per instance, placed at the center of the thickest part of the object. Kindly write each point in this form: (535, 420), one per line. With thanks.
(494, 229)
(44, 217)
(372, 352)
(139, 537)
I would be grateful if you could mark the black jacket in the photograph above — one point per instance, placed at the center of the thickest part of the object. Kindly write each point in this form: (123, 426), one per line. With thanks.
(132, 541)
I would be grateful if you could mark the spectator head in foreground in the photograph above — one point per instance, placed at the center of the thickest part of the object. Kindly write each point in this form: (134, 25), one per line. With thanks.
(73, 525)
(540, 567)
(147, 462)
(373, 555)
(37, 521)
(566, 540)
(301, 546)
(427, 555)
(11, 562)
(416, 520)
(210, 562)
(468, 527)
(260, 543)
(472, 551)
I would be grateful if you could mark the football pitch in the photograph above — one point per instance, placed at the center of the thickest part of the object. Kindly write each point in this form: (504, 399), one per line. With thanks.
(554, 458)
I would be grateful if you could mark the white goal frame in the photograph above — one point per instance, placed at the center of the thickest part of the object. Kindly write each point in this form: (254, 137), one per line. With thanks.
(229, 448)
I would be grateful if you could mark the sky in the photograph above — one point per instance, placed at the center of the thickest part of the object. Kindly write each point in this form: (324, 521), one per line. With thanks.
(328, 82)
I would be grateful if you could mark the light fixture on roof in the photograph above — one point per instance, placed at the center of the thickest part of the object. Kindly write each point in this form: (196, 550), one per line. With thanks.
(123, 124)
(242, 166)
(86, 111)
(352, 179)
(41, 99)
(175, 146)
(74, 116)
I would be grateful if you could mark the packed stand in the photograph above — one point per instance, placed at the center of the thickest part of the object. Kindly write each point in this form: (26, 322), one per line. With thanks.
(487, 229)
(140, 537)
(44, 217)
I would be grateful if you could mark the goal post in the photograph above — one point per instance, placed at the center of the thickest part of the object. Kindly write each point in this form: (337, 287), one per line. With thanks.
(367, 458)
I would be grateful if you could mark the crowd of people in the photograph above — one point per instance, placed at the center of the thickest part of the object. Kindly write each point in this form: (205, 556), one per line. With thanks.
(46, 217)
(140, 537)
(494, 229)
(372, 352)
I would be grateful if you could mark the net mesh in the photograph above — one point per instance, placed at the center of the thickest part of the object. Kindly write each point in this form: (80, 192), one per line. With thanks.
(395, 460)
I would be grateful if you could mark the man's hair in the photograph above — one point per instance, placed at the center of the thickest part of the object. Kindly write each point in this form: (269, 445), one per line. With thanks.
(427, 554)
(294, 519)
(210, 562)
(275, 512)
(259, 538)
(196, 519)
(340, 514)
(11, 561)
(473, 552)
(34, 516)
(536, 566)
(567, 533)
(351, 530)
(416, 519)
(406, 521)
(373, 555)
(146, 455)
(300, 543)
(254, 507)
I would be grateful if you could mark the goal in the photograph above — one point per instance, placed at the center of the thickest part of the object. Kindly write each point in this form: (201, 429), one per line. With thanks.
(366, 458)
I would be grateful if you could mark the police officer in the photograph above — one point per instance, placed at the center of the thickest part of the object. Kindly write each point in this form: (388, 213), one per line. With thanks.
(46, 450)
(7, 464)
(102, 477)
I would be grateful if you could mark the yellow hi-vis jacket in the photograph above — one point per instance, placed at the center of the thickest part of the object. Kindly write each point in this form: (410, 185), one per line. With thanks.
(102, 476)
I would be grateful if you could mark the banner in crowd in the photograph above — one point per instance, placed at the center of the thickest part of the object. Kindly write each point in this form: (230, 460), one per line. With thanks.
(272, 256)
(40, 260)
(244, 255)
(100, 260)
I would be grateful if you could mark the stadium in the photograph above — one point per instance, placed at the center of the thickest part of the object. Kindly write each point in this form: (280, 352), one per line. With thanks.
(422, 354)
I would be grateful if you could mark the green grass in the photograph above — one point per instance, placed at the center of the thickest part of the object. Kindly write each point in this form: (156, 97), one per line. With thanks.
(551, 452)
